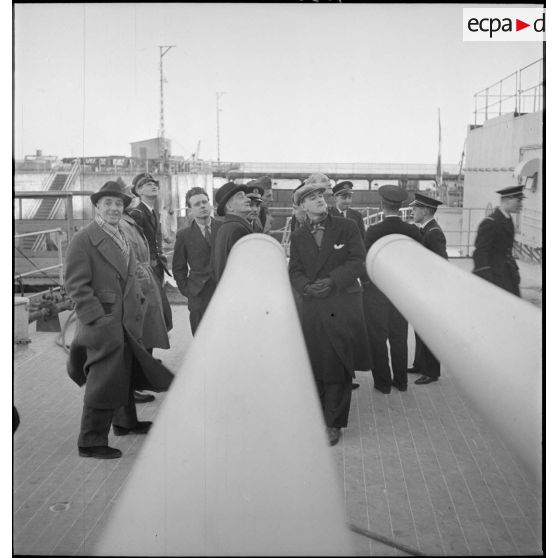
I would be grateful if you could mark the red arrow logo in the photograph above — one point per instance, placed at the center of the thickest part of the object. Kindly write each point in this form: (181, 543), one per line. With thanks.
(519, 25)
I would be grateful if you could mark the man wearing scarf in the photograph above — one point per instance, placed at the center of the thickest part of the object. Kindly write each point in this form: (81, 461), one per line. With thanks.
(327, 257)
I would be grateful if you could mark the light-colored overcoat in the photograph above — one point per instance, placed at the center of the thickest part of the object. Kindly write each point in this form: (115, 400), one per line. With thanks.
(154, 328)
(109, 307)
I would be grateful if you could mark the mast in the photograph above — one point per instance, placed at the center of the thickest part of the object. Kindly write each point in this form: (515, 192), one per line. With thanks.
(162, 151)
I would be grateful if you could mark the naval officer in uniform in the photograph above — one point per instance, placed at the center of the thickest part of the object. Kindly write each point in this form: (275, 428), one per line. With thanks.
(383, 320)
(433, 238)
(493, 255)
(343, 197)
(327, 257)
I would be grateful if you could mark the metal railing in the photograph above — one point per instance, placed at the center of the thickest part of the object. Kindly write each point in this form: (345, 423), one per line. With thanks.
(521, 91)
(38, 270)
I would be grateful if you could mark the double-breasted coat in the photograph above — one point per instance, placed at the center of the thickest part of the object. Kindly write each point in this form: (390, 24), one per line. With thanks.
(433, 238)
(109, 308)
(191, 261)
(232, 229)
(354, 215)
(493, 255)
(154, 328)
(334, 325)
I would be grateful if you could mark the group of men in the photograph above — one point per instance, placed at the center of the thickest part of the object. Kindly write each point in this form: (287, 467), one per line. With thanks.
(346, 320)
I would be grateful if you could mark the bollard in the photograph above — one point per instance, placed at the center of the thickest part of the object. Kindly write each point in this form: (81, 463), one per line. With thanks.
(488, 339)
(237, 462)
(21, 320)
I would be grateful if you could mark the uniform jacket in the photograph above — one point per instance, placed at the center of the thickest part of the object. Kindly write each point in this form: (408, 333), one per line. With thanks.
(493, 254)
(151, 228)
(334, 323)
(191, 262)
(352, 214)
(154, 331)
(433, 238)
(109, 308)
(233, 228)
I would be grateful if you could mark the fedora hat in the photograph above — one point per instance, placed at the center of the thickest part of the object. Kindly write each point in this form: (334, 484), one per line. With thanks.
(140, 180)
(225, 193)
(112, 188)
(316, 182)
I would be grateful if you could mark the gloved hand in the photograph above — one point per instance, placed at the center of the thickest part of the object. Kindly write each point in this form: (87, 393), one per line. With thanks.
(320, 288)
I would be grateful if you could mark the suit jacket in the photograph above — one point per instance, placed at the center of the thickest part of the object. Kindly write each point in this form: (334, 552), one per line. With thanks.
(233, 228)
(109, 307)
(352, 214)
(493, 255)
(333, 327)
(191, 262)
(434, 238)
(150, 225)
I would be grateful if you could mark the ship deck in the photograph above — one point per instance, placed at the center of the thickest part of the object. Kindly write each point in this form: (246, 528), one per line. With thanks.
(420, 467)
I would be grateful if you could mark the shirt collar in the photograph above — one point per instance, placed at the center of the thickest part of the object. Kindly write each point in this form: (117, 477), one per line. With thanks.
(104, 225)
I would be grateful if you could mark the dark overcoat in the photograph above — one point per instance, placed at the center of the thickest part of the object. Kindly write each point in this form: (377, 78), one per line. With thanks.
(233, 228)
(493, 255)
(108, 304)
(352, 214)
(333, 325)
(433, 238)
(150, 225)
(191, 261)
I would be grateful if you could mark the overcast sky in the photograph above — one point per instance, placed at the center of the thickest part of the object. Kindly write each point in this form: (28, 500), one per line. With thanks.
(303, 83)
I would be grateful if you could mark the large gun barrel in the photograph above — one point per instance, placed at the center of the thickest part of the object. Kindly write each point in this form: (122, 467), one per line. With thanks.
(489, 340)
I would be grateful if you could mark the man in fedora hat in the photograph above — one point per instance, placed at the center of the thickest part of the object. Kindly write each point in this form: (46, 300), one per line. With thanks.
(493, 255)
(191, 262)
(107, 353)
(234, 205)
(385, 323)
(433, 238)
(327, 257)
(343, 197)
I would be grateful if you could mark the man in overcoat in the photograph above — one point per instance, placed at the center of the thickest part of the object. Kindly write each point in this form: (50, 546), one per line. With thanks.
(234, 206)
(326, 259)
(433, 238)
(493, 255)
(146, 188)
(343, 198)
(384, 321)
(191, 262)
(107, 353)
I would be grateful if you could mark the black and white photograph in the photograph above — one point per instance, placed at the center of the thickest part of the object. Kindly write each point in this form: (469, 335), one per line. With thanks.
(277, 279)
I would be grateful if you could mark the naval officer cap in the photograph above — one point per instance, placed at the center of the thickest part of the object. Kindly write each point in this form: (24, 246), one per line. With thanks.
(392, 193)
(342, 187)
(262, 183)
(512, 192)
(316, 182)
(424, 201)
(140, 180)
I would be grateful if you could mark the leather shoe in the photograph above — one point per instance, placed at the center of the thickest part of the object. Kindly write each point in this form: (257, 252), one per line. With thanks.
(425, 380)
(385, 390)
(100, 452)
(400, 387)
(142, 427)
(413, 370)
(355, 385)
(333, 434)
(143, 397)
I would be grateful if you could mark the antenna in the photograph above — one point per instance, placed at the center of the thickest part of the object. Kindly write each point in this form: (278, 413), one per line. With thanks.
(217, 94)
(162, 151)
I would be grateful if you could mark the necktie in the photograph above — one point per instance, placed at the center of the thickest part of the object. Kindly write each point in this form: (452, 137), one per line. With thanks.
(345, 213)
(207, 233)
